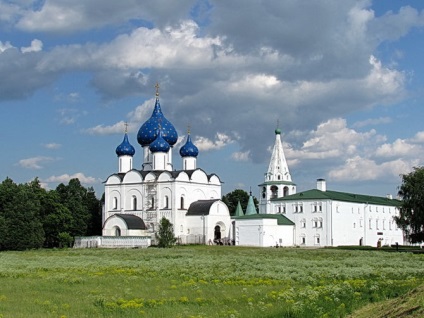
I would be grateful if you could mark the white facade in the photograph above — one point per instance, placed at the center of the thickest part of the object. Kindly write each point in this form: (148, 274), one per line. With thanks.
(156, 190)
(329, 218)
(262, 232)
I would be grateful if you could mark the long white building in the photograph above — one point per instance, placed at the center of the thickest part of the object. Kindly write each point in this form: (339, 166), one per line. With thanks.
(327, 218)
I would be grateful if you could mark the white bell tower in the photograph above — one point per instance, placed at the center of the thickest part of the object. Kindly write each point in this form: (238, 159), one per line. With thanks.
(278, 182)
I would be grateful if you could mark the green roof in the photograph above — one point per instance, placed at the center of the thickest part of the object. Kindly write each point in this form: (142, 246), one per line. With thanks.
(315, 194)
(250, 209)
(281, 219)
(239, 210)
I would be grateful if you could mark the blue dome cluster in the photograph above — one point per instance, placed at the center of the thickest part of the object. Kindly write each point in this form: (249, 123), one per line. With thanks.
(125, 148)
(159, 144)
(148, 132)
(189, 149)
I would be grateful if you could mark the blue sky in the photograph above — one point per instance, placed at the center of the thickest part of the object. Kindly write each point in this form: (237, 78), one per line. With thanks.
(344, 79)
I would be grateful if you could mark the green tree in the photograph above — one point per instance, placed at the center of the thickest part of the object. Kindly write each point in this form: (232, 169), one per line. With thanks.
(20, 225)
(231, 199)
(165, 235)
(56, 218)
(73, 197)
(411, 216)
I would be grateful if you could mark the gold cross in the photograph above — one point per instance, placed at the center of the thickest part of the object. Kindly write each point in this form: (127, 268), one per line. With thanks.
(157, 90)
(126, 127)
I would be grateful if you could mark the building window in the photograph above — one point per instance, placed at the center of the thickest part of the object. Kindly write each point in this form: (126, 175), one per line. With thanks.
(153, 203)
(115, 203)
(354, 225)
(182, 203)
(315, 208)
(317, 240)
(390, 225)
(279, 209)
(376, 224)
(134, 203)
(370, 224)
(301, 208)
(303, 239)
(360, 223)
(274, 192)
(320, 222)
(284, 209)
(166, 202)
(303, 223)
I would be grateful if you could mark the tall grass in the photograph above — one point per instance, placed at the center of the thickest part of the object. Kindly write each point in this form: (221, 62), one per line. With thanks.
(201, 281)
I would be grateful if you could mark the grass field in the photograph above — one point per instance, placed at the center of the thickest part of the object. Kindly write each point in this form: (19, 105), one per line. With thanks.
(201, 281)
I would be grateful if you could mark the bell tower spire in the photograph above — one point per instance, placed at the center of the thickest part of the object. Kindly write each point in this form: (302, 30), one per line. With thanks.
(278, 182)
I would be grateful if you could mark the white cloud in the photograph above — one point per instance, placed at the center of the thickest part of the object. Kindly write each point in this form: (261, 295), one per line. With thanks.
(241, 156)
(399, 148)
(52, 145)
(118, 127)
(5, 46)
(36, 46)
(64, 178)
(372, 122)
(221, 140)
(35, 162)
(362, 169)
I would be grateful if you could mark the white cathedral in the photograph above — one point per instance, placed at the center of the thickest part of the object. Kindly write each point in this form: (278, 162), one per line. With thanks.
(137, 198)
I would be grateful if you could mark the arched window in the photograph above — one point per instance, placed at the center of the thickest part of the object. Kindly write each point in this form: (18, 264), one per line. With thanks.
(217, 233)
(166, 202)
(286, 191)
(134, 203)
(274, 191)
(115, 203)
(153, 202)
(182, 203)
(303, 223)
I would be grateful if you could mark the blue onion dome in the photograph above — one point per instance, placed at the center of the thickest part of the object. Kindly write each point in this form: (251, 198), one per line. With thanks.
(159, 144)
(189, 149)
(149, 130)
(125, 148)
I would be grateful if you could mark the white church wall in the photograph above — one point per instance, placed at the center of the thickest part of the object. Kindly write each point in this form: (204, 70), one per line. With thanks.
(214, 180)
(199, 176)
(133, 199)
(113, 180)
(182, 176)
(132, 176)
(263, 233)
(165, 177)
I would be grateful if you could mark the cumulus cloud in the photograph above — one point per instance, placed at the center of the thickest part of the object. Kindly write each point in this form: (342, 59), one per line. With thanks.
(64, 178)
(35, 162)
(36, 46)
(221, 140)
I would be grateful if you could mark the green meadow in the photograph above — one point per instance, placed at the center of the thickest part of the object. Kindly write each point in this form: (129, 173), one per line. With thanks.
(202, 281)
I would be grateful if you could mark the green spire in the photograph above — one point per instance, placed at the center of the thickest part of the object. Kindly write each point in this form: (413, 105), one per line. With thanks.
(239, 210)
(251, 206)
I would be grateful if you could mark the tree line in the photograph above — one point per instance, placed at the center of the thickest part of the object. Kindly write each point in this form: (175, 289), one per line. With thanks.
(33, 217)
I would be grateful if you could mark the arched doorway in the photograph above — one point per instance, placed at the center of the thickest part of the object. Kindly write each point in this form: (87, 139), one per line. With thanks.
(217, 235)
(117, 231)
